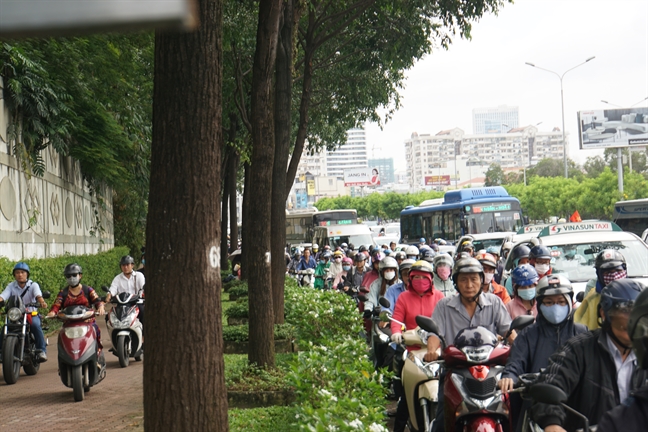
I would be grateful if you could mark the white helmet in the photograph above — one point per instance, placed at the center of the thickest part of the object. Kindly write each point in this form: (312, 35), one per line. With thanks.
(387, 262)
(411, 251)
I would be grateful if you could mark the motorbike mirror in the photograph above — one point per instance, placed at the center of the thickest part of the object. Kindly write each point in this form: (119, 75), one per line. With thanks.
(46, 294)
(364, 290)
(105, 288)
(384, 316)
(384, 302)
(427, 324)
(362, 297)
(521, 322)
(580, 296)
(547, 393)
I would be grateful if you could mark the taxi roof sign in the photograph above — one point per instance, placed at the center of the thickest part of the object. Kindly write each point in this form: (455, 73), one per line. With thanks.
(531, 229)
(568, 228)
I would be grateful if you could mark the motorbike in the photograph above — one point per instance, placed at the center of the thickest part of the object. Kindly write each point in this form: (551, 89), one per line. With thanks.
(474, 365)
(306, 277)
(18, 344)
(382, 353)
(126, 330)
(81, 366)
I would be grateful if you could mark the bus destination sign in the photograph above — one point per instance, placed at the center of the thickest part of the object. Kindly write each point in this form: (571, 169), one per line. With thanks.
(488, 208)
(336, 222)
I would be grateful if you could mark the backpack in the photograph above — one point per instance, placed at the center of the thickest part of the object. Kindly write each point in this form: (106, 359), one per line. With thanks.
(86, 292)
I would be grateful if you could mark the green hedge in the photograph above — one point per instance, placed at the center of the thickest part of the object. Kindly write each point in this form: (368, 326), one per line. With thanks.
(98, 270)
(238, 309)
(240, 333)
(239, 290)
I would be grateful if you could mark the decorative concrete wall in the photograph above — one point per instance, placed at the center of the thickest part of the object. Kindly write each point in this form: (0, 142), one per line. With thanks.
(49, 215)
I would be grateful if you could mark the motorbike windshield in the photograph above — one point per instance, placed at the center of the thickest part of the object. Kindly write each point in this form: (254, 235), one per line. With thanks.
(476, 343)
(15, 302)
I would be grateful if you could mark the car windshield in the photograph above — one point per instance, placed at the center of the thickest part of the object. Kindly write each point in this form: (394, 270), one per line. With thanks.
(358, 239)
(485, 244)
(392, 230)
(576, 261)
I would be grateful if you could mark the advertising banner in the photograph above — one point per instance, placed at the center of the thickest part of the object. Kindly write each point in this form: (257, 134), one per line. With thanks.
(361, 177)
(623, 127)
(310, 187)
(443, 180)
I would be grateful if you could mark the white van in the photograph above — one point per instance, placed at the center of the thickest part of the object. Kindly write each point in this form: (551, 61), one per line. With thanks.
(335, 235)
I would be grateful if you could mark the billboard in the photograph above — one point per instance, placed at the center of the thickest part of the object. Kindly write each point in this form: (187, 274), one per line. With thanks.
(361, 177)
(310, 187)
(623, 127)
(443, 180)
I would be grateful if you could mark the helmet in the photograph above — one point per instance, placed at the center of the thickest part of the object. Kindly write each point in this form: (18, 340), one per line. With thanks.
(387, 251)
(338, 253)
(362, 248)
(359, 257)
(520, 252)
(608, 259)
(506, 248)
(619, 297)
(428, 255)
(72, 269)
(524, 275)
(487, 259)
(411, 251)
(493, 250)
(326, 255)
(422, 266)
(315, 246)
(540, 251)
(327, 247)
(400, 255)
(443, 259)
(422, 240)
(377, 255)
(467, 265)
(297, 252)
(638, 328)
(406, 264)
(467, 245)
(440, 241)
(21, 266)
(126, 259)
(435, 247)
(346, 260)
(552, 285)
(387, 262)
(344, 246)
(475, 337)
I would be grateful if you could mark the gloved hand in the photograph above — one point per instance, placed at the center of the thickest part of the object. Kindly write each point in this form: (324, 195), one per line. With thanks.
(397, 338)
(366, 314)
(340, 286)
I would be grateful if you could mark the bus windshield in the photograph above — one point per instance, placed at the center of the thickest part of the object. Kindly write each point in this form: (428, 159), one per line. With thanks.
(494, 222)
(335, 217)
(632, 215)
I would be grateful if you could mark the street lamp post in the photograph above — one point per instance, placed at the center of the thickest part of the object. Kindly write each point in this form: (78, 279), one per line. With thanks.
(562, 104)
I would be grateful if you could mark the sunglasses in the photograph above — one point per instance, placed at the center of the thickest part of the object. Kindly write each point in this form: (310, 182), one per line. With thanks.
(69, 275)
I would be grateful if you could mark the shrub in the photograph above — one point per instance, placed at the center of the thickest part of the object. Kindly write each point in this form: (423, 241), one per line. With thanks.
(240, 333)
(232, 284)
(238, 309)
(271, 419)
(240, 290)
(241, 376)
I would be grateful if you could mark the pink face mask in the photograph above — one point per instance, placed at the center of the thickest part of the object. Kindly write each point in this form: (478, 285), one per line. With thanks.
(421, 285)
(444, 272)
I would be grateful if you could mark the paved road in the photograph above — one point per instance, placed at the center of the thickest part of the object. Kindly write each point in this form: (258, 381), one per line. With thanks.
(42, 402)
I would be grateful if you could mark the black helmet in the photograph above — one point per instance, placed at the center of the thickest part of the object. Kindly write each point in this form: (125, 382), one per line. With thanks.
(608, 259)
(638, 328)
(362, 248)
(71, 269)
(522, 251)
(400, 255)
(475, 337)
(619, 297)
(467, 265)
(126, 259)
(326, 255)
(540, 251)
(359, 257)
(428, 255)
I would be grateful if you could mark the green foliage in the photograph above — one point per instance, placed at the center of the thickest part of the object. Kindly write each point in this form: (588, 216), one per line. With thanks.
(239, 290)
(241, 376)
(386, 206)
(271, 419)
(240, 333)
(494, 175)
(238, 309)
(98, 270)
(233, 283)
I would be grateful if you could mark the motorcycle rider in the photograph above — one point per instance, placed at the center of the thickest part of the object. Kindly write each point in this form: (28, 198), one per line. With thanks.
(443, 264)
(610, 265)
(412, 252)
(400, 257)
(321, 271)
(388, 269)
(540, 258)
(30, 292)
(533, 346)
(420, 298)
(336, 265)
(394, 291)
(428, 255)
(343, 279)
(129, 281)
(597, 369)
(632, 416)
(489, 264)
(359, 270)
(315, 252)
(520, 256)
(471, 308)
(77, 294)
(525, 280)
(294, 262)
(307, 261)
(503, 253)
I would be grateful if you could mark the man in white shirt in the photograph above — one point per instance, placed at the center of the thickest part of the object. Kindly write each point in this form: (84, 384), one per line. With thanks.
(129, 281)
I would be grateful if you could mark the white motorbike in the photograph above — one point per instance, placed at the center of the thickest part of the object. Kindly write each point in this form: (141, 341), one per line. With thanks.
(126, 330)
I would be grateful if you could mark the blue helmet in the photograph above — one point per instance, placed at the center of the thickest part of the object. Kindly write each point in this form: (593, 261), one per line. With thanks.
(540, 251)
(422, 240)
(493, 250)
(21, 266)
(524, 275)
(619, 297)
(428, 255)
(522, 251)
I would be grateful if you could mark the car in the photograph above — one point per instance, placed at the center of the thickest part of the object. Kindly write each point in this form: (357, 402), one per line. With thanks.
(485, 240)
(644, 236)
(335, 235)
(574, 247)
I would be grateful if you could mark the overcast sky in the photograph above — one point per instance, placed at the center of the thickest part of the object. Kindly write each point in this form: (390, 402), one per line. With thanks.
(489, 70)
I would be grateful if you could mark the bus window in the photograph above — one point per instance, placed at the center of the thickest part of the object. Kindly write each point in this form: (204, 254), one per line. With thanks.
(427, 227)
(507, 221)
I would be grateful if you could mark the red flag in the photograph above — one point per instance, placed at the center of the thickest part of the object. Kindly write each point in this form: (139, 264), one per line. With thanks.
(575, 217)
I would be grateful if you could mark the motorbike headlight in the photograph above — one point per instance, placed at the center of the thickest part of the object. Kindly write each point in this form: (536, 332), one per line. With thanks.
(14, 314)
(76, 332)
(384, 338)
(114, 321)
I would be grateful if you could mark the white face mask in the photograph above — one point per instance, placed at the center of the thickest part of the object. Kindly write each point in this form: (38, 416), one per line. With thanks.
(542, 268)
(73, 280)
(488, 277)
(389, 275)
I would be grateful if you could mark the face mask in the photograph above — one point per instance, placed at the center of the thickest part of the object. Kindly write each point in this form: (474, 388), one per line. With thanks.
(612, 276)
(488, 277)
(444, 272)
(143, 262)
(555, 314)
(527, 294)
(389, 275)
(421, 285)
(73, 280)
(542, 268)
(346, 268)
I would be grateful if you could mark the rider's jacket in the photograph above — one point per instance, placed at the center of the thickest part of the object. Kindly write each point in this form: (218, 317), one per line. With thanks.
(28, 293)
(133, 285)
(630, 416)
(445, 286)
(584, 369)
(409, 305)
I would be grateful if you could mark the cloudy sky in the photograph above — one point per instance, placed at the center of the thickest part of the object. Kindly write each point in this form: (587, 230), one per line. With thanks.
(489, 70)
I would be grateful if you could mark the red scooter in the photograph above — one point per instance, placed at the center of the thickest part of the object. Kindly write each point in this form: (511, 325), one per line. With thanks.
(474, 365)
(80, 365)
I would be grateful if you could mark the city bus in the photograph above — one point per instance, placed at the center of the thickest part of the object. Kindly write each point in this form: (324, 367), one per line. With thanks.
(632, 215)
(299, 226)
(463, 211)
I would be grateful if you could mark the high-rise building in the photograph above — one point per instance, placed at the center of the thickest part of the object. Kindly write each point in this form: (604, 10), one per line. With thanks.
(495, 120)
(385, 167)
(352, 154)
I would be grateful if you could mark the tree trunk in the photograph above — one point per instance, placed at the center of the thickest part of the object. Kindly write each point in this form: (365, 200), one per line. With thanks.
(184, 385)
(282, 118)
(232, 173)
(246, 219)
(224, 210)
(257, 236)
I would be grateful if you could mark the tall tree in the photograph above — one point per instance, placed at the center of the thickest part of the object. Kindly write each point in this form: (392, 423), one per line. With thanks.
(494, 175)
(184, 386)
(256, 241)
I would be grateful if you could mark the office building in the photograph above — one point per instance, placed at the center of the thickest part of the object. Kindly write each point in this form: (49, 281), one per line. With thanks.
(494, 120)
(352, 154)
(385, 167)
